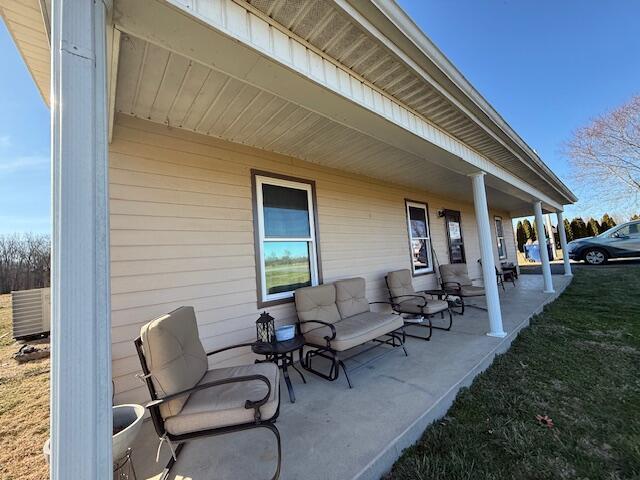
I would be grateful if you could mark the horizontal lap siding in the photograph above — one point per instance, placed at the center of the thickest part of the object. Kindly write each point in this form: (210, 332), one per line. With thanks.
(182, 234)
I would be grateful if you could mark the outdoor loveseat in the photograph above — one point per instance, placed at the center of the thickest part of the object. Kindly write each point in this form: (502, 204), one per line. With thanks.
(189, 400)
(455, 280)
(335, 317)
(406, 301)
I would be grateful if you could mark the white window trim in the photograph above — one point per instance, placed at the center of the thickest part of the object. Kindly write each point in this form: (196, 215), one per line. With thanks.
(424, 207)
(313, 257)
(498, 237)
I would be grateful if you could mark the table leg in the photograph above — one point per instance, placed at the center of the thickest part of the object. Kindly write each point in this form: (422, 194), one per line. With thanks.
(287, 380)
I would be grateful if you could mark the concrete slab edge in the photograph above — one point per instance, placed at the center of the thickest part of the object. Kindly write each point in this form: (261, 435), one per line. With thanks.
(383, 462)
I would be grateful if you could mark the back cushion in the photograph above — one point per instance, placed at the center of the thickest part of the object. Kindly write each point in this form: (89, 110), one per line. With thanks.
(175, 357)
(399, 283)
(350, 297)
(316, 303)
(455, 272)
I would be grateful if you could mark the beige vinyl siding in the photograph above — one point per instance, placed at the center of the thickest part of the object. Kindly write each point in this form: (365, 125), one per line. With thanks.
(182, 234)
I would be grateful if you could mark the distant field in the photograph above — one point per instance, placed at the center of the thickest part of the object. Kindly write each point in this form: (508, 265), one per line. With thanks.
(24, 408)
(279, 277)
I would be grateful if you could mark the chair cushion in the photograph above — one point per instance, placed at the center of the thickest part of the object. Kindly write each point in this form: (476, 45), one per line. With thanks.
(175, 357)
(399, 283)
(413, 305)
(223, 405)
(356, 330)
(471, 291)
(350, 297)
(455, 272)
(316, 303)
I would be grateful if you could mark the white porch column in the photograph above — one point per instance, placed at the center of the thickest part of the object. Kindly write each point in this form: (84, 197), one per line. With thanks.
(486, 254)
(542, 242)
(552, 239)
(563, 244)
(81, 418)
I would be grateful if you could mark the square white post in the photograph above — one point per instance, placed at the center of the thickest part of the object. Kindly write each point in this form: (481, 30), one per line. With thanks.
(542, 243)
(563, 244)
(486, 255)
(81, 417)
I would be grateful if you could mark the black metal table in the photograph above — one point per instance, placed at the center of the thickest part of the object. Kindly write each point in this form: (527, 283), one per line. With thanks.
(281, 353)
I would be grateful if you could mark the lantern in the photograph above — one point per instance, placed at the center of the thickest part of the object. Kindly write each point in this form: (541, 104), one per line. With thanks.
(265, 328)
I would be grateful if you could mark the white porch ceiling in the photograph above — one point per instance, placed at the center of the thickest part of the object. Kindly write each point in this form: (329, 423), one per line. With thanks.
(166, 88)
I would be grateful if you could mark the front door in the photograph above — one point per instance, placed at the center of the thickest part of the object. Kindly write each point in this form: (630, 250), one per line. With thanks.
(454, 236)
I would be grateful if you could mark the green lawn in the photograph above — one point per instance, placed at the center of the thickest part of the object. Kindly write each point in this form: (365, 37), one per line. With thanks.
(579, 364)
(281, 277)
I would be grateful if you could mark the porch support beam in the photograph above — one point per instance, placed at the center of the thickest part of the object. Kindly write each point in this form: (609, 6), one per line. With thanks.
(563, 244)
(486, 254)
(81, 417)
(542, 243)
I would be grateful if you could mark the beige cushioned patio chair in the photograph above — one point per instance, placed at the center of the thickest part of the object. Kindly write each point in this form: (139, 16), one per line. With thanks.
(406, 301)
(190, 400)
(335, 317)
(455, 280)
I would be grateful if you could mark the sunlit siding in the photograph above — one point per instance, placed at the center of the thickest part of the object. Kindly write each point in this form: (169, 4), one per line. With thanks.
(182, 234)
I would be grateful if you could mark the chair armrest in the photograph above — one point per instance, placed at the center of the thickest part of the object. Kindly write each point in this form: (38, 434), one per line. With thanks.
(408, 297)
(381, 302)
(231, 347)
(331, 327)
(247, 378)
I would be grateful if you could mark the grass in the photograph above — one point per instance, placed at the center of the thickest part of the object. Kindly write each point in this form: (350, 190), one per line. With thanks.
(282, 277)
(578, 363)
(24, 408)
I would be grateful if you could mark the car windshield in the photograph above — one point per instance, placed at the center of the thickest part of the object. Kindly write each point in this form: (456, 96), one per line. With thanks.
(607, 233)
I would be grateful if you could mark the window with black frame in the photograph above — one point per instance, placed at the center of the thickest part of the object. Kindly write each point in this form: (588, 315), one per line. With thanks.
(419, 238)
(502, 248)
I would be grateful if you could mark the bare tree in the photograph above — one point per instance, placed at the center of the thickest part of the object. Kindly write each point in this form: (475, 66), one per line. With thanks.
(605, 155)
(25, 262)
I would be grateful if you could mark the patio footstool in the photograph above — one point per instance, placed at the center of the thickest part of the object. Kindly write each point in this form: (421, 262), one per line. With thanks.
(336, 317)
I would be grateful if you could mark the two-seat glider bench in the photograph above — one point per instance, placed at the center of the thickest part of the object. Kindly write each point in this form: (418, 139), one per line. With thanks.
(189, 400)
(409, 303)
(336, 317)
(456, 282)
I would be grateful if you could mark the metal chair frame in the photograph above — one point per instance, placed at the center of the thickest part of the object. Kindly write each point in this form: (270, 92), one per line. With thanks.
(158, 421)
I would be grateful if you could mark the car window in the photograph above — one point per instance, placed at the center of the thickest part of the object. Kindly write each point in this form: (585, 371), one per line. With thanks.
(634, 230)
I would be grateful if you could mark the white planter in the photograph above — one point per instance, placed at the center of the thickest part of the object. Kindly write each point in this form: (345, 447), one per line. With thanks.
(129, 418)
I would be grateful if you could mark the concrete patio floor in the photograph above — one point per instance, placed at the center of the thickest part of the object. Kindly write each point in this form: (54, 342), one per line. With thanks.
(333, 432)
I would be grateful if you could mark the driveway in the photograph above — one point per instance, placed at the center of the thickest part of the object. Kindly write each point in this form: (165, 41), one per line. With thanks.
(558, 269)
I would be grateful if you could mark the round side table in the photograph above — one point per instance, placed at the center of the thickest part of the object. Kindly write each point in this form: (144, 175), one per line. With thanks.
(281, 353)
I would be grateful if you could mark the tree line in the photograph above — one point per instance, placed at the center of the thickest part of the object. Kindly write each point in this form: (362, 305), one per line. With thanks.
(574, 229)
(25, 262)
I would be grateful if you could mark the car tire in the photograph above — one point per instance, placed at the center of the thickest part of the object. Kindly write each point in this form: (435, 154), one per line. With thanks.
(595, 256)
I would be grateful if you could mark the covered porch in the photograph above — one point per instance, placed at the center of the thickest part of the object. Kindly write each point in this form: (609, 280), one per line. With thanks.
(336, 432)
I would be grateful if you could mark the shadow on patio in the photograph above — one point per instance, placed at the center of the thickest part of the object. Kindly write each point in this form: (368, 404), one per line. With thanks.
(332, 432)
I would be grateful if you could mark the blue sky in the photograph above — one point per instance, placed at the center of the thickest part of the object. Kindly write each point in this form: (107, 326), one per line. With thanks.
(25, 193)
(547, 66)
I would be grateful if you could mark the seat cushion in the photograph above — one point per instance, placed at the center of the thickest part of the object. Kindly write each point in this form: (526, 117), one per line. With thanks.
(350, 297)
(356, 330)
(455, 272)
(223, 405)
(316, 303)
(413, 305)
(471, 291)
(399, 283)
(175, 357)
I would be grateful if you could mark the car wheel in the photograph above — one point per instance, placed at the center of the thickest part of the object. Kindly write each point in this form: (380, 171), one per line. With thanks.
(595, 256)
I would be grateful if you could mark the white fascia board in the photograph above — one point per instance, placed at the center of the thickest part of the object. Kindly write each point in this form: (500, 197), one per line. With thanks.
(398, 17)
(277, 61)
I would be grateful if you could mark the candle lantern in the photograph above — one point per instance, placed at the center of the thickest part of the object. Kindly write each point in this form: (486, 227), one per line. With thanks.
(265, 328)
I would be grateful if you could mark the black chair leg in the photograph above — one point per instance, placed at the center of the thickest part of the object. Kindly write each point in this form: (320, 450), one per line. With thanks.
(344, 369)
(275, 431)
(172, 461)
